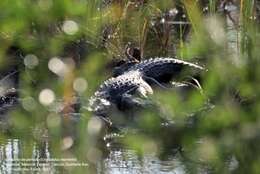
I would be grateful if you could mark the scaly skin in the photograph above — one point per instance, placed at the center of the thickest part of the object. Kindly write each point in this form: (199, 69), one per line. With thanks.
(135, 78)
(159, 68)
(119, 91)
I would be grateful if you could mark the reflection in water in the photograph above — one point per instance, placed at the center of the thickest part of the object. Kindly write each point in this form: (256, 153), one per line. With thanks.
(126, 161)
(118, 159)
(9, 151)
(13, 152)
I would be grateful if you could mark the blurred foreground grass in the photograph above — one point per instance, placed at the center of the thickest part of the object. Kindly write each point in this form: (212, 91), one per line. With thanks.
(63, 47)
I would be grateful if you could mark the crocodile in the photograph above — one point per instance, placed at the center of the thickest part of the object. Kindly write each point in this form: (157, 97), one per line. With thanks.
(162, 70)
(119, 92)
(8, 99)
(131, 79)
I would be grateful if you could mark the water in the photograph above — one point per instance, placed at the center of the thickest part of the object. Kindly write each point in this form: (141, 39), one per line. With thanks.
(117, 160)
(126, 161)
(36, 149)
(43, 148)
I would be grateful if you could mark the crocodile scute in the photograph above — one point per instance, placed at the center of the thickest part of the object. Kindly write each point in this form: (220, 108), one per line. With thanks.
(160, 69)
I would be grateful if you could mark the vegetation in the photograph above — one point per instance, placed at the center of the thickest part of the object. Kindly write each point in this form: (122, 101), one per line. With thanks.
(54, 50)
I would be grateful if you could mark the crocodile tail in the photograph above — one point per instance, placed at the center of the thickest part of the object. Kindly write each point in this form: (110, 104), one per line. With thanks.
(164, 70)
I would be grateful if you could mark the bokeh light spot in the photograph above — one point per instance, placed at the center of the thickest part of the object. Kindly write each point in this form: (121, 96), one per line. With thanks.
(80, 84)
(57, 66)
(30, 61)
(29, 103)
(67, 142)
(94, 125)
(70, 27)
(46, 97)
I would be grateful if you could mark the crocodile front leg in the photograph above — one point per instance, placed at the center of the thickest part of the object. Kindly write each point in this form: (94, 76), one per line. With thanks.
(140, 100)
(129, 101)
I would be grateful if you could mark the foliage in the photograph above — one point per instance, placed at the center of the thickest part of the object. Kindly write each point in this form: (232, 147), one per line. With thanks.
(65, 47)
